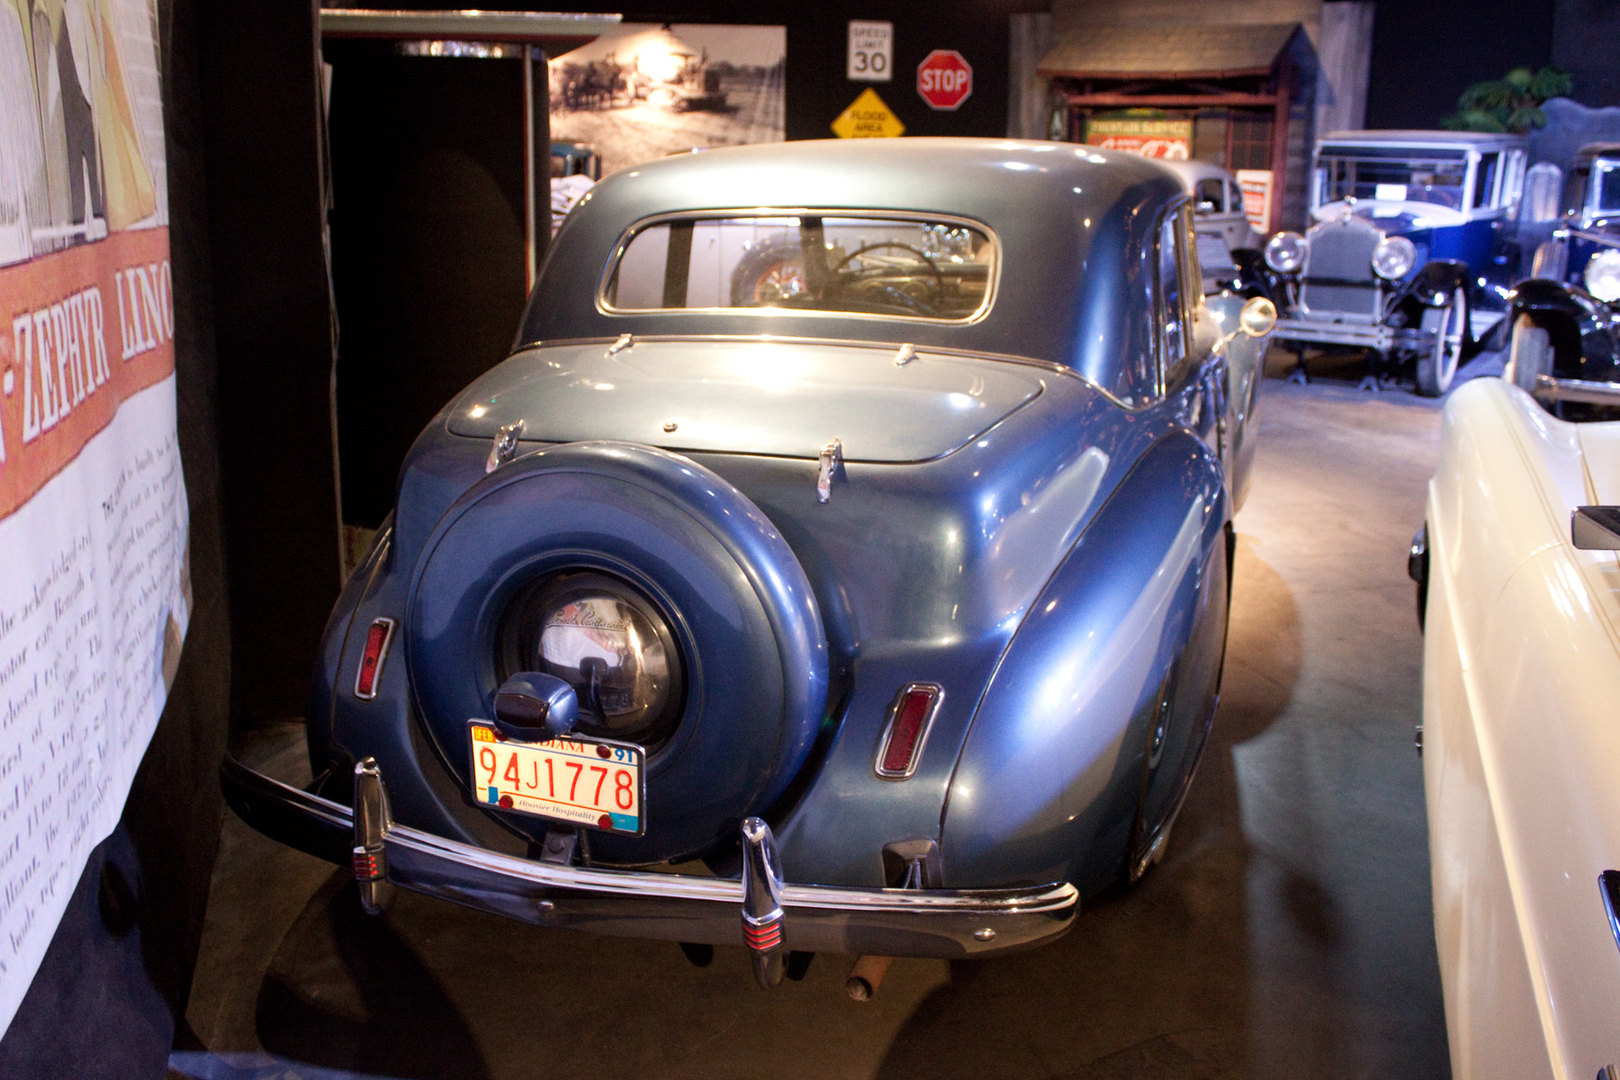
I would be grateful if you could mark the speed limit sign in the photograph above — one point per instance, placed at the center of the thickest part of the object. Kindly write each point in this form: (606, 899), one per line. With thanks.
(871, 51)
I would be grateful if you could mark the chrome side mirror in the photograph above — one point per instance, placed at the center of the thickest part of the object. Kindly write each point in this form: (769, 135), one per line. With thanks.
(1595, 528)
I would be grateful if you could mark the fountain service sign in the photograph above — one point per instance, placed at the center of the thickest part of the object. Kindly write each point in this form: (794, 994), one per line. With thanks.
(95, 591)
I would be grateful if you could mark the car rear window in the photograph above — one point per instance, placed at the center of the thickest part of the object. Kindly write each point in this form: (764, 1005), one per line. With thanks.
(901, 267)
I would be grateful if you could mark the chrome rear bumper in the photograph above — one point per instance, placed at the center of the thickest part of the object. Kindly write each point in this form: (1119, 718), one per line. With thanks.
(944, 923)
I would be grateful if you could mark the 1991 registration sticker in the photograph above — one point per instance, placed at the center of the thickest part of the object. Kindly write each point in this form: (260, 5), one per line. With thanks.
(580, 781)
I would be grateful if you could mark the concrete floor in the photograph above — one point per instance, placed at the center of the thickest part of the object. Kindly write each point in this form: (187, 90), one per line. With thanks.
(1286, 934)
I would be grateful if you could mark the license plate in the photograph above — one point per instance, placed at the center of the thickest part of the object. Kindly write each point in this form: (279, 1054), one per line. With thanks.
(587, 782)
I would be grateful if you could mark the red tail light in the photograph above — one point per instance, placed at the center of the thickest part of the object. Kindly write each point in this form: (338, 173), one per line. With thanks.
(909, 718)
(371, 661)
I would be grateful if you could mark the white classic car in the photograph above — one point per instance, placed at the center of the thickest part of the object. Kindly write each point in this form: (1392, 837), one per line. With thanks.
(1519, 580)
(1217, 202)
(1219, 221)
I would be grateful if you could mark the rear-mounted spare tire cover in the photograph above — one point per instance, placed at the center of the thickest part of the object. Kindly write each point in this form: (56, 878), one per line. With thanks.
(744, 619)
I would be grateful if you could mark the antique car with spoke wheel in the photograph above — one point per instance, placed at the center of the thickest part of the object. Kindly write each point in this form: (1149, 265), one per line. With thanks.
(1412, 247)
(1566, 318)
(839, 563)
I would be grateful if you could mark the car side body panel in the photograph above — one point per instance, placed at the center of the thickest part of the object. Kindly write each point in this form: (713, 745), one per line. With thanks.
(1054, 760)
(1522, 669)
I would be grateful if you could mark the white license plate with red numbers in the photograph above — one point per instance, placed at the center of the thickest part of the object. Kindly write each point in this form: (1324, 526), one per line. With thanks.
(579, 781)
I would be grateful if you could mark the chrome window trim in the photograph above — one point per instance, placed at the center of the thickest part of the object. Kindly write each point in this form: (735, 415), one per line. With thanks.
(992, 287)
(922, 737)
(1594, 190)
(1189, 314)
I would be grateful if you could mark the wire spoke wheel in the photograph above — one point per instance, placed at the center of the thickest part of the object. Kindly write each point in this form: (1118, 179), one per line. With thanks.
(1438, 367)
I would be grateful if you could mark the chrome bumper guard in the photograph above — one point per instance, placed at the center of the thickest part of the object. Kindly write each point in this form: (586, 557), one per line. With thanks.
(1365, 335)
(942, 923)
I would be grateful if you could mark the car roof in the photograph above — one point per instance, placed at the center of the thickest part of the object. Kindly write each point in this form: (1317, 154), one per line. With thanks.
(1415, 138)
(1592, 151)
(1192, 171)
(1072, 223)
(964, 176)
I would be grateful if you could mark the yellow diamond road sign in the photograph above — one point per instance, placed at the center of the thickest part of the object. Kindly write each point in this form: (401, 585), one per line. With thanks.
(867, 118)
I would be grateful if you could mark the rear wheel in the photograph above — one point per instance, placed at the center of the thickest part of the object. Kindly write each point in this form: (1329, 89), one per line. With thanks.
(1438, 367)
(1530, 355)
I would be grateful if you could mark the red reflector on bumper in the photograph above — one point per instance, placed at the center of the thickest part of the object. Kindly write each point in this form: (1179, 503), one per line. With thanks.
(371, 661)
(909, 718)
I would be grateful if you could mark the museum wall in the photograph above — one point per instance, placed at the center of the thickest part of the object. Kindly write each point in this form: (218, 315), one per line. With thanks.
(1584, 35)
(259, 90)
(816, 38)
(1419, 68)
(1071, 15)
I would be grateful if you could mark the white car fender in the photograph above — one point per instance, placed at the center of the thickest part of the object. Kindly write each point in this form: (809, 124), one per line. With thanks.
(1522, 675)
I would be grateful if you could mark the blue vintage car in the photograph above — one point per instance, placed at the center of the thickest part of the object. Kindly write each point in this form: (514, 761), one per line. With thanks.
(1565, 318)
(1411, 251)
(840, 562)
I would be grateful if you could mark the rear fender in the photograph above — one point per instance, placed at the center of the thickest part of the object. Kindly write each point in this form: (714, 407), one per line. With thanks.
(1540, 295)
(1049, 776)
(334, 643)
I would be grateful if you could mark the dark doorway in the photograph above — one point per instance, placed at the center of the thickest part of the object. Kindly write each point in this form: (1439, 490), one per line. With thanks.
(429, 244)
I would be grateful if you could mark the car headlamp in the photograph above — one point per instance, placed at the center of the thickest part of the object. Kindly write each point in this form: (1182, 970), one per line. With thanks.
(612, 645)
(1603, 276)
(1285, 252)
(1392, 259)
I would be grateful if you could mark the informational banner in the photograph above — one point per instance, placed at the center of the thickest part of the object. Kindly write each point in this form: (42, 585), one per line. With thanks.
(95, 592)
(1170, 139)
(1256, 187)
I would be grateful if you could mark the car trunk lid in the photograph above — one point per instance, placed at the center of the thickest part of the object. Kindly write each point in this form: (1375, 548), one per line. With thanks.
(885, 403)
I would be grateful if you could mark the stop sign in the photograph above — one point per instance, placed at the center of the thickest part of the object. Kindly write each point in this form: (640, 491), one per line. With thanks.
(944, 79)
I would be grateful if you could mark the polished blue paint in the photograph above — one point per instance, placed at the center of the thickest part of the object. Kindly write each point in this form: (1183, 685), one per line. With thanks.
(1470, 243)
(775, 398)
(742, 613)
(1003, 524)
(1070, 220)
(1065, 719)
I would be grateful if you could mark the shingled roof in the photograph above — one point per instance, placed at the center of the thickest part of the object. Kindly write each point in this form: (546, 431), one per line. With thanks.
(1178, 52)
